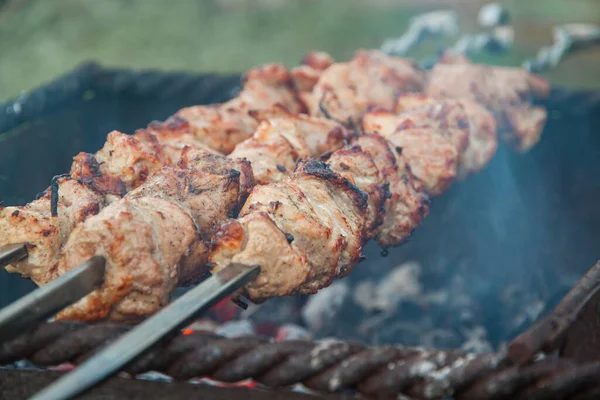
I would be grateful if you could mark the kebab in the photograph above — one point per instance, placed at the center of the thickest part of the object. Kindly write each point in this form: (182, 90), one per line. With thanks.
(126, 161)
(136, 289)
(309, 228)
(346, 90)
(351, 235)
(206, 189)
(506, 91)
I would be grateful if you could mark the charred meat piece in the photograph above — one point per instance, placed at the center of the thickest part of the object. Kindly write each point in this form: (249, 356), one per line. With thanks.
(507, 92)
(174, 136)
(405, 206)
(323, 213)
(222, 166)
(124, 157)
(431, 154)
(306, 75)
(371, 79)
(282, 138)
(470, 126)
(359, 168)
(152, 240)
(45, 234)
(223, 126)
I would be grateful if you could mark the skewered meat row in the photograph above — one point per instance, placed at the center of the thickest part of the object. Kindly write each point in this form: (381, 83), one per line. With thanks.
(115, 240)
(124, 163)
(376, 172)
(309, 228)
(347, 90)
(143, 223)
(505, 91)
(153, 239)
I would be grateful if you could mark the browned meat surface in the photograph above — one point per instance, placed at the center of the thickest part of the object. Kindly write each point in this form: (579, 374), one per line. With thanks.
(432, 154)
(470, 126)
(432, 159)
(405, 206)
(319, 215)
(306, 75)
(505, 91)
(222, 166)
(152, 240)
(143, 241)
(282, 138)
(359, 168)
(321, 135)
(526, 126)
(372, 79)
(124, 157)
(223, 126)
(45, 233)
(255, 237)
(173, 135)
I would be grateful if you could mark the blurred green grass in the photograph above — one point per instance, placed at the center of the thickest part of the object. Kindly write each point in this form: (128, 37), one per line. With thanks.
(40, 39)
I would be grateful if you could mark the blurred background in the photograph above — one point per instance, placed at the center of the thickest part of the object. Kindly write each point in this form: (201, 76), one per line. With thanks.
(41, 39)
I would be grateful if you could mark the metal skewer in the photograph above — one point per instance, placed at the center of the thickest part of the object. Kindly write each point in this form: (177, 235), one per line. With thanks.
(45, 301)
(174, 316)
(11, 253)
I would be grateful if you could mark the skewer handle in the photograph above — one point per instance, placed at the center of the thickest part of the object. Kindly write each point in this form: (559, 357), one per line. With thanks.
(149, 332)
(11, 253)
(45, 301)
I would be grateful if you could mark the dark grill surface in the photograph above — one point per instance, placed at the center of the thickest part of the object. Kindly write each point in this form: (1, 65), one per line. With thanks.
(19, 384)
(324, 367)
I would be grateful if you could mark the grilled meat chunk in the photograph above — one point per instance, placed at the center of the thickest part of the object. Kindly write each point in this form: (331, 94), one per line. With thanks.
(173, 136)
(306, 75)
(461, 114)
(223, 126)
(431, 154)
(221, 166)
(123, 157)
(318, 213)
(152, 240)
(405, 206)
(372, 79)
(505, 91)
(282, 138)
(359, 168)
(143, 241)
(432, 159)
(466, 124)
(44, 233)
(254, 238)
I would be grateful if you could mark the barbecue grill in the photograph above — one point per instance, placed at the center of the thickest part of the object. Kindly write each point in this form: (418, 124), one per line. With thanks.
(527, 221)
(559, 175)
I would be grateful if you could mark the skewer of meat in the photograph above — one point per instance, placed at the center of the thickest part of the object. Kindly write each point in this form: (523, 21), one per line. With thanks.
(148, 222)
(306, 136)
(505, 91)
(310, 228)
(126, 161)
(373, 166)
(347, 89)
